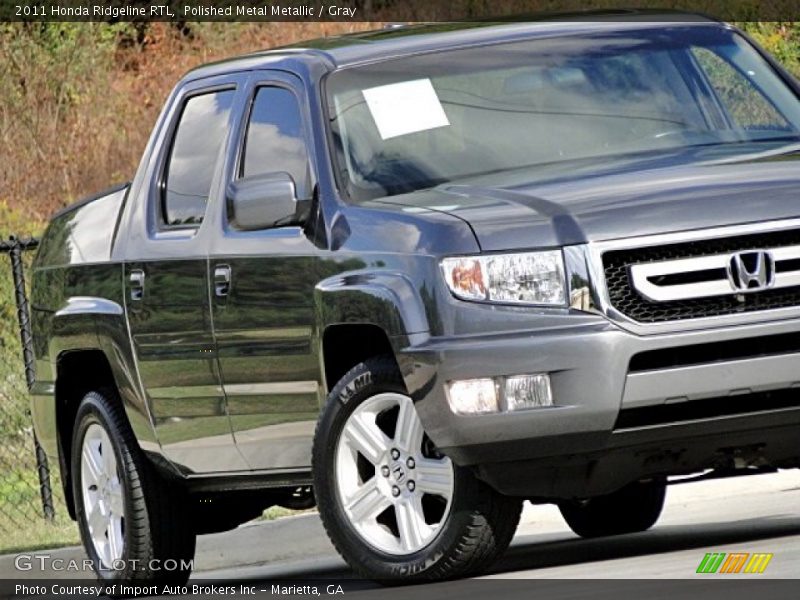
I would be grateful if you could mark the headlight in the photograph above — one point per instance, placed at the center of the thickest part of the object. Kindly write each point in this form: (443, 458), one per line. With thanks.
(524, 278)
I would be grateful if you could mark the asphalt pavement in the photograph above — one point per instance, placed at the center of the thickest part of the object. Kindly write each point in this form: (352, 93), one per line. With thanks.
(753, 514)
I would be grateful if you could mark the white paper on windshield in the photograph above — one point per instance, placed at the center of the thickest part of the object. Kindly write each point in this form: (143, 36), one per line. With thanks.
(406, 107)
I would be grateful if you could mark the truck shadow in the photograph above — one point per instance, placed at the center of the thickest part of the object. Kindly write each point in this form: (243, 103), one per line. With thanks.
(530, 553)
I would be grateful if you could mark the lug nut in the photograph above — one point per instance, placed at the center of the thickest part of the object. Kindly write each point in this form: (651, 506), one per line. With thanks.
(385, 471)
(395, 453)
(395, 491)
(410, 463)
(411, 485)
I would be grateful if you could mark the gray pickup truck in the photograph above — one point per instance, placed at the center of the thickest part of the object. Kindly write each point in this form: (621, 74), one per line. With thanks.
(420, 275)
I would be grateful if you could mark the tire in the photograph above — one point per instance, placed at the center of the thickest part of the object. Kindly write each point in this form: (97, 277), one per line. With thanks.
(146, 515)
(446, 524)
(636, 507)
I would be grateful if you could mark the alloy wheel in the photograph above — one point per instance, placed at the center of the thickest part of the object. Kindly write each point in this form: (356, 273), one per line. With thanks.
(393, 485)
(103, 500)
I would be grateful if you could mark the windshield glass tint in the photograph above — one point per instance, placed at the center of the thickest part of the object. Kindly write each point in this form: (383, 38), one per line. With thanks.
(416, 122)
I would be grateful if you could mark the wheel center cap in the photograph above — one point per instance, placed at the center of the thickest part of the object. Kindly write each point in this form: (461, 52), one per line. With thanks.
(398, 473)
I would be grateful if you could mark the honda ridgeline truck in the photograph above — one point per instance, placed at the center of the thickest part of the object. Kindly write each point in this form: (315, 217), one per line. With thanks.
(420, 275)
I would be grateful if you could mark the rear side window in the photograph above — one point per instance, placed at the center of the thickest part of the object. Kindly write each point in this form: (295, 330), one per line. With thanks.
(274, 140)
(744, 102)
(195, 147)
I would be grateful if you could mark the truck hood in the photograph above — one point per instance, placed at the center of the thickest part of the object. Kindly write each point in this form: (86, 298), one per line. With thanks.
(578, 202)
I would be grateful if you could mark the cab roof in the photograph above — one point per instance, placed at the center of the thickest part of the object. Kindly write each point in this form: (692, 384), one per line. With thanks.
(394, 42)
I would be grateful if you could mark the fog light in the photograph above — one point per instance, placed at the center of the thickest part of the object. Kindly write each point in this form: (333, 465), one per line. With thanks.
(472, 396)
(528, 391)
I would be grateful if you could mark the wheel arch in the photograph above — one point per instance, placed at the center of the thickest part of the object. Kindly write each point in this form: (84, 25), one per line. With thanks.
(99, 358)
(71, 385)
(339, 356)
(380, 311)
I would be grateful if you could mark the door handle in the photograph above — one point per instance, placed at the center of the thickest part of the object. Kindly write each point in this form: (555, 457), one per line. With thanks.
(222, 280)
(137, 284)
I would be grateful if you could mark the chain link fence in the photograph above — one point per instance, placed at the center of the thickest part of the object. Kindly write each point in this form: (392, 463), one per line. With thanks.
(26, 483)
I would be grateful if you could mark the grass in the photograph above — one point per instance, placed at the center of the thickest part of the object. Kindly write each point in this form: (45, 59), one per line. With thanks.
(279, 512)
(39, 534)
(21, 522)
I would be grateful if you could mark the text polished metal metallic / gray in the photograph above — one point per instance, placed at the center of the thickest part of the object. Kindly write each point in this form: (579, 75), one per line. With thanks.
(717, 275)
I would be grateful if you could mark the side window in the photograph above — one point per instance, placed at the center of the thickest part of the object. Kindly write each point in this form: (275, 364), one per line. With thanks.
(274, 140)
(195, 147)
(743, 101)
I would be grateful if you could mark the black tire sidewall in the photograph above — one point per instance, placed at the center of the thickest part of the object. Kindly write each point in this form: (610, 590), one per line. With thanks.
(634, 508)
(363, 382)
(93, 411)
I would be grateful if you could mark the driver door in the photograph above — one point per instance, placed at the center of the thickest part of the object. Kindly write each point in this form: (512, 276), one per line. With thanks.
(263, 288)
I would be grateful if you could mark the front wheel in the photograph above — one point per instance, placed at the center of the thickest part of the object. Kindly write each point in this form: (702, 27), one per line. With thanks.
(636, 507)
(392, 504)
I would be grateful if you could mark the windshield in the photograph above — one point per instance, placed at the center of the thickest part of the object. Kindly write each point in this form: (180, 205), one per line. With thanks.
(416, 122)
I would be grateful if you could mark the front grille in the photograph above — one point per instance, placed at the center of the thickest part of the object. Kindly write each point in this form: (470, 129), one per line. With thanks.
(624, 297)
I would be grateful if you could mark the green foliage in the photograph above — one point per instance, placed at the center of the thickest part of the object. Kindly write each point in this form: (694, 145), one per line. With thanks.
(20, 509)
(782, 40)
(12, 222)
(28, 530)
(21, 523)
(53, 78)
(17, 221)
(14, 414)
(55, 61)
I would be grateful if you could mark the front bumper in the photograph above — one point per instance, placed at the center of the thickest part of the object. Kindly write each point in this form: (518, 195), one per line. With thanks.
(589, 363)
(586, 365)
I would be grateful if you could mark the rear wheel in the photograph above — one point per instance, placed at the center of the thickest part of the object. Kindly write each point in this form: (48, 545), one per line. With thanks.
(636, 507)
(392, 504)
(133, 523)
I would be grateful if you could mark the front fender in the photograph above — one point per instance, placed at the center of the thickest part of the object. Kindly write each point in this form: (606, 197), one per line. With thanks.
(387, 299)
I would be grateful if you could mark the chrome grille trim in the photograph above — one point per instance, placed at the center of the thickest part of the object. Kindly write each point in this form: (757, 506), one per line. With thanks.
(595, 250)
(773, 262)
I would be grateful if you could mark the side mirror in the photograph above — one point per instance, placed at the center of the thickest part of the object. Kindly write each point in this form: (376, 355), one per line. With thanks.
(262, 201)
